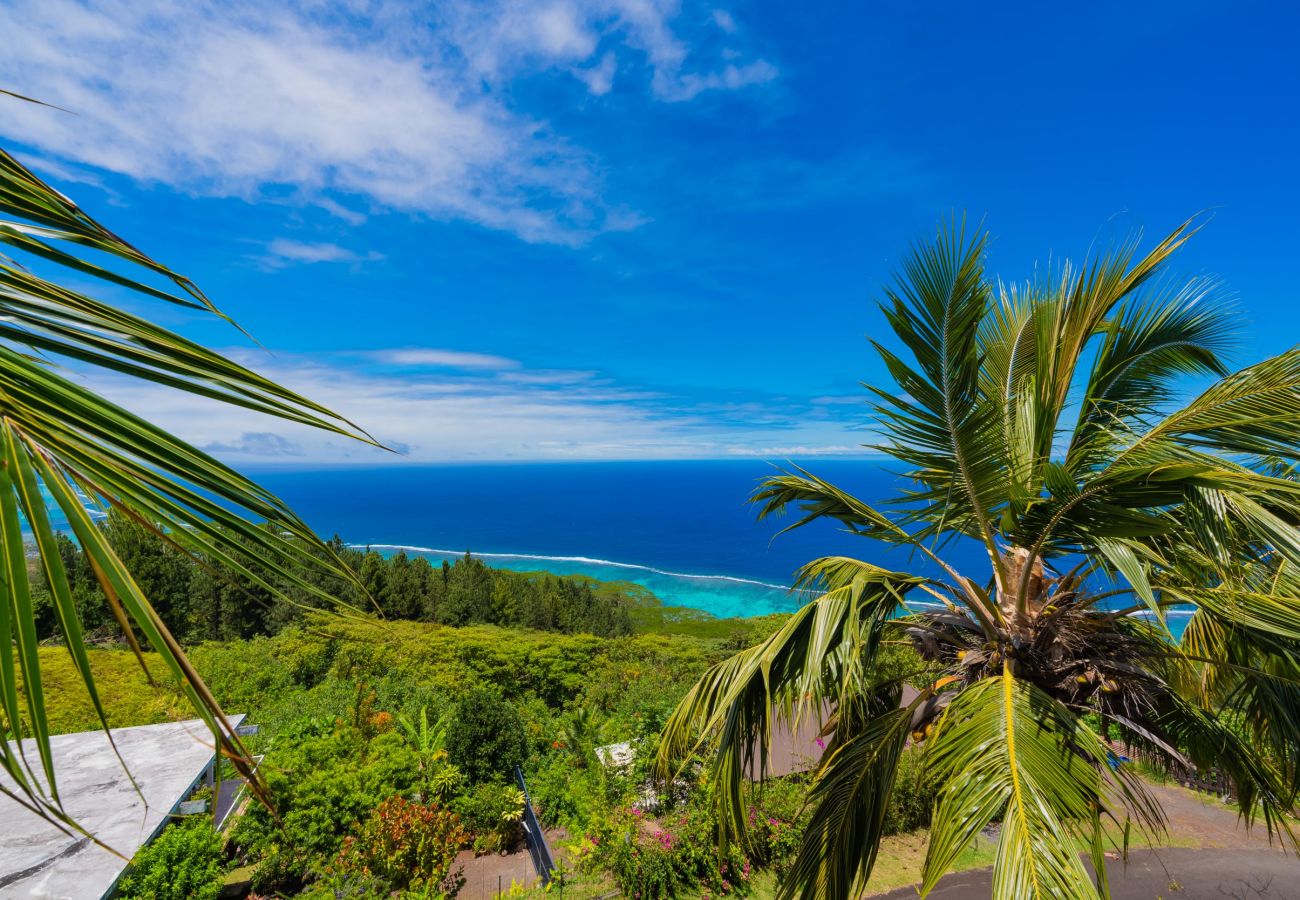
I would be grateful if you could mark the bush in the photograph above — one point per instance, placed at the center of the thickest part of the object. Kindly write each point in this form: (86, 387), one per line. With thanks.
(776, 821)
(324, 780)
(494, 813)
(653, 860)
(183, 863)
(486, 739)
(404, 846)
(567, 795)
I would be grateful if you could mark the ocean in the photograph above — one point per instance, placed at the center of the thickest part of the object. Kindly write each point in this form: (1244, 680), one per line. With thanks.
(681, 529)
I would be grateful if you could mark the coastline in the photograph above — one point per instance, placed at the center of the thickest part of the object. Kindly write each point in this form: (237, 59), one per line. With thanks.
(720, 596)
(717, 595)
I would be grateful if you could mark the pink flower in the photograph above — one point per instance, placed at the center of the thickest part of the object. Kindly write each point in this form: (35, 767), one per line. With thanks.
(821, 743)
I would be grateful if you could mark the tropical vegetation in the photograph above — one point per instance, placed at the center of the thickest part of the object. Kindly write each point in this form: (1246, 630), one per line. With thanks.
(382, 745)
(1057, 426)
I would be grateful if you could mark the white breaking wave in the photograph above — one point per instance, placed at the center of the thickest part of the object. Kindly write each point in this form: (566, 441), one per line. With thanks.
(583, 560)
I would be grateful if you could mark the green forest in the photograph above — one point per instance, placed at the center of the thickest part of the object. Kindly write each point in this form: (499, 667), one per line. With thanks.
(206, 601)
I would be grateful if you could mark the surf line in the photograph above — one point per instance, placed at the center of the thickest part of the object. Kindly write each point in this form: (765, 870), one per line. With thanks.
(575, 559)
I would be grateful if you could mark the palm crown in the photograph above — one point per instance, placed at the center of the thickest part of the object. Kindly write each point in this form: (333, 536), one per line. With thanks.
(1039, 421)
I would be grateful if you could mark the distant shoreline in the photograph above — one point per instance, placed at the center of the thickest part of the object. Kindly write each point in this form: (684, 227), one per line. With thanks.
(795, 598)
(574, 559)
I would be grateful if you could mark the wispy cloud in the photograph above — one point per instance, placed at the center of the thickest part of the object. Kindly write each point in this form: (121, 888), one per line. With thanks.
(502, 37)
(284, 251)
(468, 411)
(456, 359)
(799, 450)
(331, 100)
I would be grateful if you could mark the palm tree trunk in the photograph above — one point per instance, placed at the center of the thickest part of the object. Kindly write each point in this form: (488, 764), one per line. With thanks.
(1013, 565)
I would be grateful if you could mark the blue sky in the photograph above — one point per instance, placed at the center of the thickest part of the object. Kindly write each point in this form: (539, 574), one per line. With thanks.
(635, 228)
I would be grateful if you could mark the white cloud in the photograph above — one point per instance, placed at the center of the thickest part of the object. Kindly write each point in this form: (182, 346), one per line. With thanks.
(456, 359)
(730, 77)
(799, 450)
(343, 99)
(501, 37)
(283, 251)
(599, 79)
(449, 414)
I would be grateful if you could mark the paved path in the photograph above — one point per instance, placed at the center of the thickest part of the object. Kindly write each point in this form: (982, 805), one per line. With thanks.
(491, 875)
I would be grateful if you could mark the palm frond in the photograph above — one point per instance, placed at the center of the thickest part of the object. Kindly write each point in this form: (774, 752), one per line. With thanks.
(62, 441)
(848, 802)
(938, 421)
(814, 659)
(1006, 749)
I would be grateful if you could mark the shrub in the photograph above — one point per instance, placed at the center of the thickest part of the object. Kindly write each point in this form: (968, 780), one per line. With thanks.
(494, 813)
(565, 794)
(183, 863)
(653, 861)
(404, 846)
(776, 821)
(486, 739)
(324, 779)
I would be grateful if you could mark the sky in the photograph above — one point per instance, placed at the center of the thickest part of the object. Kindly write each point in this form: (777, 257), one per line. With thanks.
(610, 229)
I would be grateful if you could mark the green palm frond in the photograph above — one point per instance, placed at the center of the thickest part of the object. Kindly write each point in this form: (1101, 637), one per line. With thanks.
(1008, 751)
(848, 802)
(65, 446)
(814, 656)
(937, 420)
(1151, 341)
(1248, 413)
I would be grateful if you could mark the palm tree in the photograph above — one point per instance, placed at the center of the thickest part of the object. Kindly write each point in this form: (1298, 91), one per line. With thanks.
(64, 446)
(1039, 422)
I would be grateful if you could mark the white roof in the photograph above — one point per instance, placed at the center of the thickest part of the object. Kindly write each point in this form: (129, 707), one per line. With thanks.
(37, 860)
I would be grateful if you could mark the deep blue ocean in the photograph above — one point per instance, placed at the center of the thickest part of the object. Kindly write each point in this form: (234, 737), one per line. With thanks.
(682, 529)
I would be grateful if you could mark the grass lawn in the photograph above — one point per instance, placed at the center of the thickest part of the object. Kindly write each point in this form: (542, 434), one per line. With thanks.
(898, 865)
